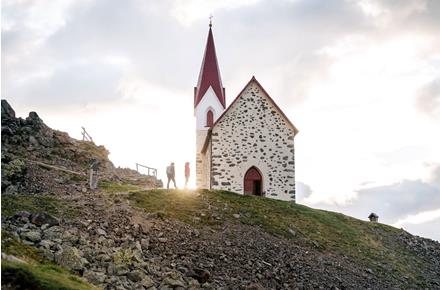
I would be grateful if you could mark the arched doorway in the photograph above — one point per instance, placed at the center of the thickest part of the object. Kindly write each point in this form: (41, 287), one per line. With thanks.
(253, 182)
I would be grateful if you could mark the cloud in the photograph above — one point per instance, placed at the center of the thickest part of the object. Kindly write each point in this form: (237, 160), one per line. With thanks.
(189, 11)
(435, 175)
(428, 229)
(394, 201)
(80, 51)
(162, 40)
(428, 100)
(77, 84)
(409, 204)
(40, 38)
(419, 218)
(303, 190)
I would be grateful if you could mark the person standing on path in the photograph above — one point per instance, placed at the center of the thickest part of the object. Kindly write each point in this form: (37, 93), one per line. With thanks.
(187, 174)
(171, 175)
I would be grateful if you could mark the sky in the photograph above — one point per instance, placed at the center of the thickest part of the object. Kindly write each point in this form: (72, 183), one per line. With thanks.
(360, 79)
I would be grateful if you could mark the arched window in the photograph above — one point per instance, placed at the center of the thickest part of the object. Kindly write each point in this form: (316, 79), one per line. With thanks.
(209, 118)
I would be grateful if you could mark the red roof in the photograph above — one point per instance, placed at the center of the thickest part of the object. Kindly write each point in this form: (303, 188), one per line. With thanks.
(253, 79)
(209, 74)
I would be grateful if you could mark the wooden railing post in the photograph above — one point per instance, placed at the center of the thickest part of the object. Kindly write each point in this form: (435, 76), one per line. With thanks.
(86, 136)
(150, 170)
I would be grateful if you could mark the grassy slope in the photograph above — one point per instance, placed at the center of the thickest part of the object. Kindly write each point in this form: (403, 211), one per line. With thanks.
(37, 272)
(11, 204)
(370, 244)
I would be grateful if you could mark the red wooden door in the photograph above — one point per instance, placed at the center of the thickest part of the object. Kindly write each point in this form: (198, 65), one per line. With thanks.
(253, 182)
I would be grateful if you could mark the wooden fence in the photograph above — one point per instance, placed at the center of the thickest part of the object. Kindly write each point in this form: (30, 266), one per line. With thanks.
(150, 171)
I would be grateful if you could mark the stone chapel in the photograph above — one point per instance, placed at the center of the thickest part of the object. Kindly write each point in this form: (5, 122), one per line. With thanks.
(247, 147)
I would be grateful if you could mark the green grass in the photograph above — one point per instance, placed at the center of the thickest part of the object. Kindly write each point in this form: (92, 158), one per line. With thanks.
(78, 178)
(175, 204)
(37, 272)
(36, 203)
(40, 276)
(11, 246)
(111, 187)
(326, 231)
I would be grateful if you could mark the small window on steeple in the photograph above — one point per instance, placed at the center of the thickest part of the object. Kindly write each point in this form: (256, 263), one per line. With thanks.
(209, 118)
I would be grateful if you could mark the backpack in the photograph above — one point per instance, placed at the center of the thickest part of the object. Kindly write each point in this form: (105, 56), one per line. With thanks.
(169, 171)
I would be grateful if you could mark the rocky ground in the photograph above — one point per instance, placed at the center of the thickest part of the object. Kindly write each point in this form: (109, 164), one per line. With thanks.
(116, 246)
(112, 242)
(29, 146)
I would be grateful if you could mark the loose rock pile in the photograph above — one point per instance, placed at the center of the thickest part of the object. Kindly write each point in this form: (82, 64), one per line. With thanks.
(426, 248)
(113, 254)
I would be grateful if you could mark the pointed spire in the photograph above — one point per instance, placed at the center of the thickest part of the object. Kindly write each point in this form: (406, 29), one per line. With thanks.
(209, 74)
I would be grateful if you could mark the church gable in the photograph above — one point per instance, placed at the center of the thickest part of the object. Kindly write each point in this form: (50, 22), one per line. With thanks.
(262, 102)
(252, 147)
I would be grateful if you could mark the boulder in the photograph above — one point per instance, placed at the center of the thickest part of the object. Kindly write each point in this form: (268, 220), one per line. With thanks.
(40, 219)
(53, 233)
(12, 258)
(33, 141)
(33, 236)
(11, 189)
(22, 213)
(7, 111)
(111, 269)
(173, 279)
(121, 270)
(201, 275)
(101, 232)
(147, 282)
(95, 277)
(70, 258)
(46, 244)
(71, 235)
(7, 131)
(47, 254)
(35, 120)
(145, 244)
(135, 276)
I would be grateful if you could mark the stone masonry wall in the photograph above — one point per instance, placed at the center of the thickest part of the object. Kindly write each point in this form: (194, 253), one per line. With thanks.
(254, 133)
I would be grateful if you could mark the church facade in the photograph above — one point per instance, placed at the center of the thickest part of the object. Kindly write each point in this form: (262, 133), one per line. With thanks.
(247, 147)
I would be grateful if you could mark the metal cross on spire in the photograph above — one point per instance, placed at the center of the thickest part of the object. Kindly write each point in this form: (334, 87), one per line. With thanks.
(210, 20)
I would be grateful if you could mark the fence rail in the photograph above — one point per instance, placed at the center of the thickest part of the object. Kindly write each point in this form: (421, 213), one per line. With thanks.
(86, 136)
(149, 169)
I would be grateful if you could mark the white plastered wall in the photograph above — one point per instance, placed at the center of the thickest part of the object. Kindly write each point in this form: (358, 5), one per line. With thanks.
(211, 102)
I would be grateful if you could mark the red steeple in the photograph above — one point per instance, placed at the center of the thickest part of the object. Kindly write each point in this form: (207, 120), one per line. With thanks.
(209, 74)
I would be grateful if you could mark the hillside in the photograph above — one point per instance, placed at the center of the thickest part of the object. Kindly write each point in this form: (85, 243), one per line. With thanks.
(57, 234)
